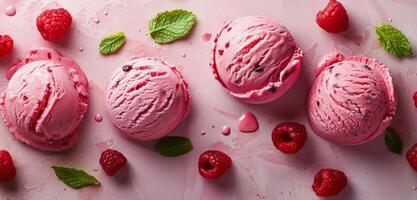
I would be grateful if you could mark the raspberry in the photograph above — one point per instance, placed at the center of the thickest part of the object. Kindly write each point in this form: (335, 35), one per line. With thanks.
(415, 99)
(329, 182)
(289, 137)
(112, 161)
(412, 157)
(7, 169)
(6, 45)
(53, 24)
(213, 164)
(334, 18)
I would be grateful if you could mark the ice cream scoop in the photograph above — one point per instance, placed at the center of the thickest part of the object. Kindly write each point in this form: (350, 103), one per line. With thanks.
(146, 98)
(352, 99)
(255, 59)
(45, 100)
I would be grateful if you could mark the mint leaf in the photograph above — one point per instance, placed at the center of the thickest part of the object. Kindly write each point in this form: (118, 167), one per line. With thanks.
(393, 141)
(393, 40)
(112, 43)
(174, 146)
(75, 178)
(172, 25)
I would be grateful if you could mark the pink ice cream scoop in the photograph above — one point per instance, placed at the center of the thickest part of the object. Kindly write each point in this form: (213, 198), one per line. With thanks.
(255, 59)
(352, 100)
(45, 100)
(146, 98)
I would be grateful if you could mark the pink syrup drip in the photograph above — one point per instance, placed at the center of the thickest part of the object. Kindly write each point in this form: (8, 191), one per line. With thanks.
(248, 123)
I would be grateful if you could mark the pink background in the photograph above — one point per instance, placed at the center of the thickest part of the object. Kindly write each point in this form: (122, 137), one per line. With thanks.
(259, 170)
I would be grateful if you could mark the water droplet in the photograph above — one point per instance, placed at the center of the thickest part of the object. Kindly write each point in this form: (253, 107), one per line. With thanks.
(96, 20)
(10, 11)
(98, 118)
(226, 130)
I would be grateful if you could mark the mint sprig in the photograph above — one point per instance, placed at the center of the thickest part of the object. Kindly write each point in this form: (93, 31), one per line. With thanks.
(172, 25)
(393, 40)
(75, 178)
(393, 141)
(112, 43)
(171, 146)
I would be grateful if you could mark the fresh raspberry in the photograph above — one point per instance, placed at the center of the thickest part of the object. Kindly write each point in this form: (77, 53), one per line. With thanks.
(329, 182)
(415, 99)
(289, 137)
(334, 18)
(412, 157)
(112, 161)
(6, 45)
(53, 24)
(7, 169)
(213, 164)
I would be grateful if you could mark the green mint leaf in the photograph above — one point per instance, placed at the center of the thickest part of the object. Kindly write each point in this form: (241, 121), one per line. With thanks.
(172, 25)
(174, 146)
(112, 43)
(393, 40)
(393, 141)
(75, 178)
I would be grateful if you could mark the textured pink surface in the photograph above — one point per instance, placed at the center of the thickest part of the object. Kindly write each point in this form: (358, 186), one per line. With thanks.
(352, 100)
(146, 98)
(45, 101)
(259, 171)
(256, 59)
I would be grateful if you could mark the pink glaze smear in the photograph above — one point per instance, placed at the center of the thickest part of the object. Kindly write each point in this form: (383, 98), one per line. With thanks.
(255, 59)
(248, 123)
(206, 37)
(45, 100)
(352, 100)
(146, 98)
